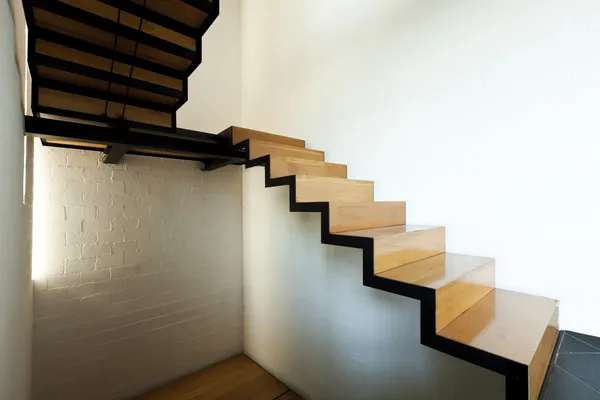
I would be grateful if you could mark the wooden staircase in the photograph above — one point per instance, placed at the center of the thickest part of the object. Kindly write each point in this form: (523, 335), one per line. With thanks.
(120, 62)
(462, 312)
(110, 75)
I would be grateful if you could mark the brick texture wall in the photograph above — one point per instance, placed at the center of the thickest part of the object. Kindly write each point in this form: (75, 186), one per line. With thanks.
(137, 273)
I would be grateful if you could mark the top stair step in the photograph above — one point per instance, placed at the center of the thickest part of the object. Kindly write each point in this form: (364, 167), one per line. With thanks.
(239, 135)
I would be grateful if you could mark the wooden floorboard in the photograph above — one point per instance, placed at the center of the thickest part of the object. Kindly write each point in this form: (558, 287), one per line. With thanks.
(233, 379)
(289, 395)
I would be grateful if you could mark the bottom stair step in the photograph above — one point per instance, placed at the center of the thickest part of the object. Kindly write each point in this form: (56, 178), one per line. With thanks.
(516, 326)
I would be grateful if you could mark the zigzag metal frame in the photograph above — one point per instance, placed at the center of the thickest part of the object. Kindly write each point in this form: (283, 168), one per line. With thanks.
(517, 375)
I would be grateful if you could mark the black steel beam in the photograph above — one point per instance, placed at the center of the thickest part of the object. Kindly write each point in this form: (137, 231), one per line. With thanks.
(211, 165)
(95, 73)
(113, 27)
(200, 136)
(102, 95)
(130, 153)
(205, 5)
(81, 45)
(178, 157)
(54, 129)
(113, 122)
(187, 134)
(152, 16)
(113, 154)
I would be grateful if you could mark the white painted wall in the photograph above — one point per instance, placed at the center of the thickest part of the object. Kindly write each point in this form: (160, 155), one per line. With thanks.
(15, 274)
(214, 98)
(309, 321)
(138, 266)
(482, 115)
(137, 273)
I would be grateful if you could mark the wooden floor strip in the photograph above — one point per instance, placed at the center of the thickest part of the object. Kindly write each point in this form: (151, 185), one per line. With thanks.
(233, 379)
(289, 395)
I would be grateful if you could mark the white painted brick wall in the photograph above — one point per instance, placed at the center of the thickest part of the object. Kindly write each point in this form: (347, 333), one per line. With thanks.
(137, 273)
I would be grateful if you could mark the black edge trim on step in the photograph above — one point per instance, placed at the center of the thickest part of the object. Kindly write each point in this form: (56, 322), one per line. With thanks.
(208, 21)
(99, 94)
(112, 27)
(152, 16)
(68, 66)
(516, 374)
(87, 47)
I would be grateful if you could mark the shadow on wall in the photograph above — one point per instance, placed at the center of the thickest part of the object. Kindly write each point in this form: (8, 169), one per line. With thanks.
(311, 323)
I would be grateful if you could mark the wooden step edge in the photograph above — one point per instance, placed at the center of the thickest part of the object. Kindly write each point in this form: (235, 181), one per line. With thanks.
(320, 189)
(238, 135)
(457, 296)
(542, 357)
(400, 249)
(387, 231)
(286, 166)
(259, 148)
(349, 217)
(333, 181)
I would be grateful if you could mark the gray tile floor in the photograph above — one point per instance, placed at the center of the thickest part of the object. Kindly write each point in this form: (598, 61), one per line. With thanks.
(574, 373)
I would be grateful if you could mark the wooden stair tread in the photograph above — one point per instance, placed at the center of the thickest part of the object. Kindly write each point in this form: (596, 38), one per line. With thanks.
(399, 245)
(238, 135)
(459, 281)
(326, 179)
(437, 271)
(259, 148)
(348, 217)
(387, 231)
(505, 323)
(286, 166)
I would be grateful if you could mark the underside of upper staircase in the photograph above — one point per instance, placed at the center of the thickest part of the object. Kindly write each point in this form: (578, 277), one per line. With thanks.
(121, 66)
(463, 313)
(122, 62)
